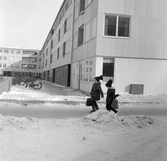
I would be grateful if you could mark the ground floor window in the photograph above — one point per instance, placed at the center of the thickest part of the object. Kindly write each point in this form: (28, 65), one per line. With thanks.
(108, 67)
(87, 70)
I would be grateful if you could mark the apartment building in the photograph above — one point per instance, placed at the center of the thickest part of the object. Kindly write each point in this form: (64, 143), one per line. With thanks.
(125, 40)
(15, 61)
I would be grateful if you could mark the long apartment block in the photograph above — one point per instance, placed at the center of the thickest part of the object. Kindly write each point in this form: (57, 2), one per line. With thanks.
(123, 40)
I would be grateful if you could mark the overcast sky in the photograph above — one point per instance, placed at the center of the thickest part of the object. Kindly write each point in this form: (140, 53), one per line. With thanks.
(26, 23)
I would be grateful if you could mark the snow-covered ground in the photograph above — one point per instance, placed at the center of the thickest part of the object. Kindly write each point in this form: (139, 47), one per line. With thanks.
(100, 136)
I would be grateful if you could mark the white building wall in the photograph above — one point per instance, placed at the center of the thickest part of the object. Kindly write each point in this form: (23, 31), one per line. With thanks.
(149, 72)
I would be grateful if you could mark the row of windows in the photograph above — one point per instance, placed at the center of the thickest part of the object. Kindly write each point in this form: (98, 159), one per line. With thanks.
(59, 35)
(24, 66)
(58, 53)
(12, 51)
(2, 65)
(12, 58)
(28, 66)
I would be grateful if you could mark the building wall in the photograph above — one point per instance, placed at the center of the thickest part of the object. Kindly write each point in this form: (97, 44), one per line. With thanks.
(140, 57)
(148, 23)
(149, 72)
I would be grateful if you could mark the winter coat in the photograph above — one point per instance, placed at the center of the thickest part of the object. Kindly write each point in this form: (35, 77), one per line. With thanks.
(96, 91)
(110, 96)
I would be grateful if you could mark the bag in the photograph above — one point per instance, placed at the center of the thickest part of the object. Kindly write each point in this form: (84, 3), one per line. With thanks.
(114, 104)
(88, 102)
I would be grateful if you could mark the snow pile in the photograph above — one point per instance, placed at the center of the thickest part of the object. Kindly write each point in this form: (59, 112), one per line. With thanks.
(111, 119)
(130, 98)
(11, 123)
(21, 93)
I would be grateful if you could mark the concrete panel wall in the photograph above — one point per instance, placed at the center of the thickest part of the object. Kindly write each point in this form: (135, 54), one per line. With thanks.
(148, 35)
(151, 73)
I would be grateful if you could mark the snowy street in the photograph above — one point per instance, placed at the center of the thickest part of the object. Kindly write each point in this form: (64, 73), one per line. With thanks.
(54, 124)
(40, 103)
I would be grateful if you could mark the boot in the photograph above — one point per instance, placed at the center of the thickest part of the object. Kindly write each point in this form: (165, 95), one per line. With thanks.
(93, 109)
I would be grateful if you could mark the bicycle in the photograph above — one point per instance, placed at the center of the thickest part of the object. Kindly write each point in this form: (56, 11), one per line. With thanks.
(31, 82)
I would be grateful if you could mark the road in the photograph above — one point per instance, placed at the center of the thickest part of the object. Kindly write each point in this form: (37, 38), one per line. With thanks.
(75, 112)
(47, 112)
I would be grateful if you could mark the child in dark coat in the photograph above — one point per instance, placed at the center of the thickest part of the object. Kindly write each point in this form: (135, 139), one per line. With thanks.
(95, 93)
(110, 96)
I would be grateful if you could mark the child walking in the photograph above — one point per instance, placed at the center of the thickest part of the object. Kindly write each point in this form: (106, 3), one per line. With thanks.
(110, 96)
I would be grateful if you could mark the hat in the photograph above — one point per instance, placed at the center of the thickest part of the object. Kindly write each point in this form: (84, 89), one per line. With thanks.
(109, 83)
(99, 78)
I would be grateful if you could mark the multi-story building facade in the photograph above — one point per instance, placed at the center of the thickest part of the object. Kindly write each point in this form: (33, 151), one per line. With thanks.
(15, 61)
(125, 40)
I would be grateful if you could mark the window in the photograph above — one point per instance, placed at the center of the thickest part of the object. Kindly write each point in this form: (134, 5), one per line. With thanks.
(108, 68)
(18, 52)
(117, 25)
(59, 36)
(46, 51)
(76, 11)
(12, 51)
(4, 65)
(51, 44)
(6, 51)
(82, 6)
(31, 66)
(65, 26)
(51, 58)
(87, 70)
(64, 49)
(46, 62)
(94, 28)
(87, 32)
(0, 65)
(123, 26)
(24, 66)
(0, 57)
(81, 35)
(52, 31)
(4, 58)
(58, 51)
(1, 50)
